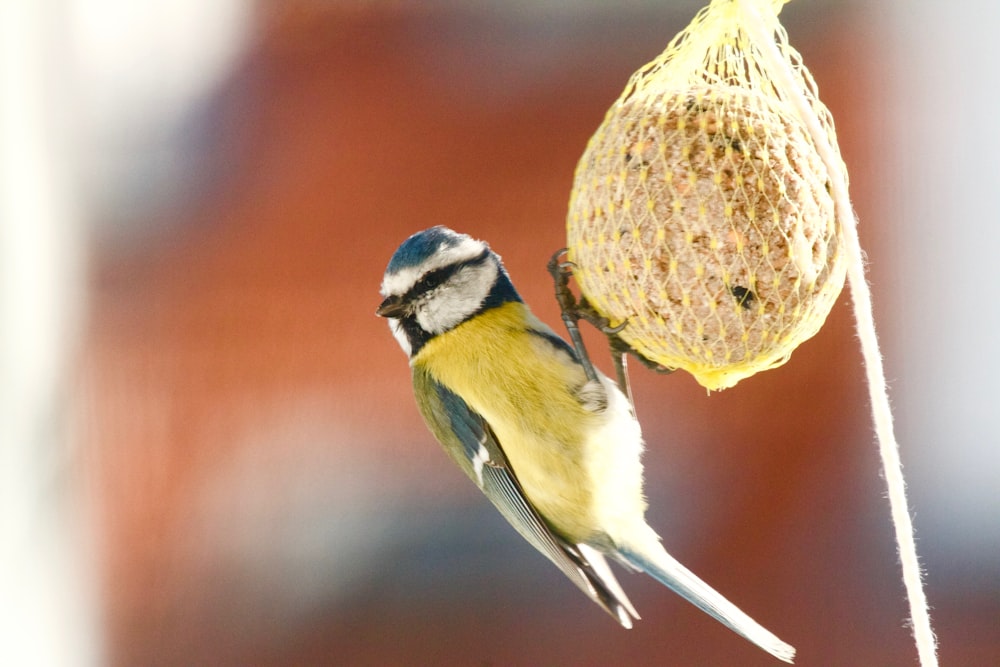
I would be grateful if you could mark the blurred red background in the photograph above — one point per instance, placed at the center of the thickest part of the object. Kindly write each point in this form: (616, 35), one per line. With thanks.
(264, 488)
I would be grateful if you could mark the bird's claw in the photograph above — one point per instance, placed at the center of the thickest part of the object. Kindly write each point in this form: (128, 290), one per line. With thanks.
(609, 330)
(573, 310)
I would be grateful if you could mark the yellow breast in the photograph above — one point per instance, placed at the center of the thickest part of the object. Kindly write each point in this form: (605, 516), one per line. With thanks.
(525, 388)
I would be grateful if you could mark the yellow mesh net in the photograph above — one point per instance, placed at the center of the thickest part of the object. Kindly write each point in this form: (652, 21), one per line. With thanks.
(701, 214)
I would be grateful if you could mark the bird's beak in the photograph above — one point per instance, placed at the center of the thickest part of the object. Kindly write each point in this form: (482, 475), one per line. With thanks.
(393, 306)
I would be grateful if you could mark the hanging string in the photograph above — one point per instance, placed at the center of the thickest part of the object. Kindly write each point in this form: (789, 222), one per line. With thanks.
(877, 388)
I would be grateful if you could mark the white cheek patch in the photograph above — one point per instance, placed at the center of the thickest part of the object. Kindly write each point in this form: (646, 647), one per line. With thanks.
(401, 281)
(453, 303)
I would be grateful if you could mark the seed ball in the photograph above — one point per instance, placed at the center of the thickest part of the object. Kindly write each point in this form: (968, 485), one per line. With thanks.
(703, 220)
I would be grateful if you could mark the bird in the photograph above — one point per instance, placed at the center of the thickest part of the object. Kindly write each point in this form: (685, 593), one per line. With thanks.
(555, 449)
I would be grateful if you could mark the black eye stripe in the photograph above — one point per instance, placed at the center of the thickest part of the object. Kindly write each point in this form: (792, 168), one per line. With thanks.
(437, 277)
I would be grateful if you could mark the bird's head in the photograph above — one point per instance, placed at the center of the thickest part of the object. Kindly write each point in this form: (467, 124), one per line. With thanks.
(438, 279)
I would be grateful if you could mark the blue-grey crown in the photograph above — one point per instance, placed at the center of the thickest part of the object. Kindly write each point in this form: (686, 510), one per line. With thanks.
(415, 250)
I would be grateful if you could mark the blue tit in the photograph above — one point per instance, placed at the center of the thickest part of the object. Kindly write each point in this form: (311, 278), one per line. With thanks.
(557, 454)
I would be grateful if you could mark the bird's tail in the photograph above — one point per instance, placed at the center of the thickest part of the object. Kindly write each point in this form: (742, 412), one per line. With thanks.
(663, 567)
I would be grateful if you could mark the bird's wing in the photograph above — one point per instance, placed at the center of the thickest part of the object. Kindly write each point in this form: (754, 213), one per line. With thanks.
(469, 440)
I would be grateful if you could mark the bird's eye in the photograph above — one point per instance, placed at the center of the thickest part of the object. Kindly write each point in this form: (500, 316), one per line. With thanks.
(432, 280)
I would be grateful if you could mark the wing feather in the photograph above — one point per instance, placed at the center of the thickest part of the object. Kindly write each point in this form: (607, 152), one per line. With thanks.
(469, 440)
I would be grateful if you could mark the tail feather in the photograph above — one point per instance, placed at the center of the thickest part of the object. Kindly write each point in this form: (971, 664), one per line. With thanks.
(606, 590)
(587, 568)
(668, 571)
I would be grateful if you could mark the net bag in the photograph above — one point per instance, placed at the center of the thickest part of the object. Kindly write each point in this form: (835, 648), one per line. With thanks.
(701, 214)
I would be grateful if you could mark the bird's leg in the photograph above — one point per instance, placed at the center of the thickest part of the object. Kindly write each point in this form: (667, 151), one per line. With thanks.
(574, 310)
(620, 347)
(570, 309)
(621, 374)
